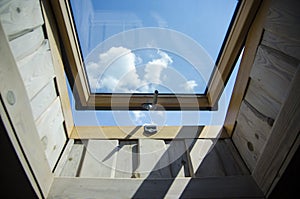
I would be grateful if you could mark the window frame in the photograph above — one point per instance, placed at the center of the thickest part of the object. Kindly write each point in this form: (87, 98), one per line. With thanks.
(86, 100)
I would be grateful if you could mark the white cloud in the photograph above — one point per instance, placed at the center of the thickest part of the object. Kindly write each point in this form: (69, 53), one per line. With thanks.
(189, 86)
(154, 68)
(116, 71)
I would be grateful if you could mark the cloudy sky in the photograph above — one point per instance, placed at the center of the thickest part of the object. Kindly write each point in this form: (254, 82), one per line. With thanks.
(138, 46)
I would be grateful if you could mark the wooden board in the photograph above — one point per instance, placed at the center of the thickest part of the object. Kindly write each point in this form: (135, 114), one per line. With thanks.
(37, 69)
(215, 158)
(43, 99)
(28, 43)
(51, 132)
(137, 132)
(273, 72)
(18, 109)
(222, 187)
(127, 159)
(283, 19)
(153, 159)
(100, 159)
(178, 161)
(251, 133)
(20, 16)
(72, 164)
(198, 149)
(64, 157)
(220, 161)
(261, 100)
(286, 45)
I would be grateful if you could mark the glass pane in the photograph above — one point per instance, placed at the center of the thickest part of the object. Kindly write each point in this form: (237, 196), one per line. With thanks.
(138, 46)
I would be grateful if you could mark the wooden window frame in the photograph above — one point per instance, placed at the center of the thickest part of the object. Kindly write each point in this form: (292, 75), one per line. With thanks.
(85, 99)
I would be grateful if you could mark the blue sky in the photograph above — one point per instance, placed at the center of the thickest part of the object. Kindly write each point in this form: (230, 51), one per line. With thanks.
(139, 46)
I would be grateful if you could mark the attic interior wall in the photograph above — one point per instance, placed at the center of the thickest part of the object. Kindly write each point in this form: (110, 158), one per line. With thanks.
(275, 66)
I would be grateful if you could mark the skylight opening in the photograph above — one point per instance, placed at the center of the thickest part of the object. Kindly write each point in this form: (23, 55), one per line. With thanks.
(142, 46)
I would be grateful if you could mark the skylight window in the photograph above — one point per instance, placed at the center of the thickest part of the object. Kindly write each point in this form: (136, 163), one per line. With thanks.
(142, 46)
(118, 53)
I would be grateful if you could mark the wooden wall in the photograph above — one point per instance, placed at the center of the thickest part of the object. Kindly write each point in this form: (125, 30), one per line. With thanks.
(24, 26)
(270, 87)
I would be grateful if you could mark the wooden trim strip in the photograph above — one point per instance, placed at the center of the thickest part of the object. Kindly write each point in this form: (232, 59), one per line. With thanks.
(137, 132)
(58, 66)
(252, 42)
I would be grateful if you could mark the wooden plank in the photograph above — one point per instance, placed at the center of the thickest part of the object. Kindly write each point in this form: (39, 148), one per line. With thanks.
(251, 133)
(18, 110)
(222, 187)
(284, 44)
(137, 132)
(71, 166)
(28, 43)
(51, 132)
(283, 19)
(215, 159)
(230, 164)
(252, 42)
(153, 159)
(100, 159)
(127, 159)
(273, 72)
(261, 100)
(282, 136)
(234, 153)
(37, 69)
(20, 16)
(54, 42)
(178, 160)
(198, 149)
(43, 99)
(64, 157)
